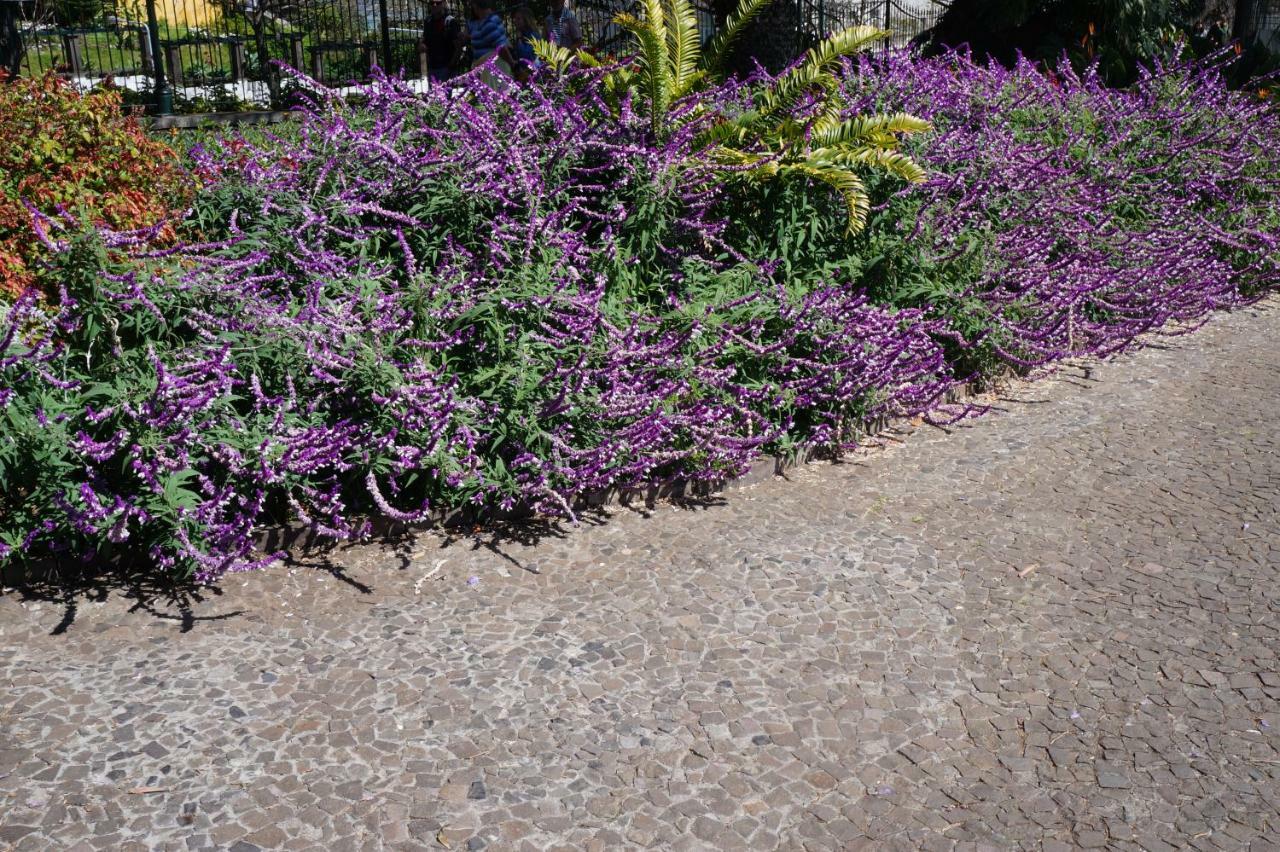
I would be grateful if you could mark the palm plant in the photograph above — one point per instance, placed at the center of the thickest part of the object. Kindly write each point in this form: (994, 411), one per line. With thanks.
(767, 141)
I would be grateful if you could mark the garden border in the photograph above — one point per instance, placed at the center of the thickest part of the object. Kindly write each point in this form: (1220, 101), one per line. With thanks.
(296, 537)
(299, 537)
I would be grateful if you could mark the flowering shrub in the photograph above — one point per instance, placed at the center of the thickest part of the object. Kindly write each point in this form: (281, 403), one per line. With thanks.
(499, 297)
(76, 153)
(1066, 217)
(487, 299)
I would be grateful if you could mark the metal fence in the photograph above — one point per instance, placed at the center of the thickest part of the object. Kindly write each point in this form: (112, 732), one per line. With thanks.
(220, 55)
(904, 21)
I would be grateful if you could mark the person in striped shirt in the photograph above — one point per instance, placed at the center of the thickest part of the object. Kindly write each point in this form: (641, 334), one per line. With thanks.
(562, 26)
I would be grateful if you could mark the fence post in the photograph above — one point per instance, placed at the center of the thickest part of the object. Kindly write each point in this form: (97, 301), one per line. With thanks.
(144, 47)
(73, 49)
(163, 94)
(236, 50)
(888, 24)
(386, 36)
(173, 58)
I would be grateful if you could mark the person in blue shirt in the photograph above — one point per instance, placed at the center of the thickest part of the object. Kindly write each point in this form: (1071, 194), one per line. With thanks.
(488, 36)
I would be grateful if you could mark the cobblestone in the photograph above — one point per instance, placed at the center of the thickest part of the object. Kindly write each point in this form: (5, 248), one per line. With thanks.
(1053, 628)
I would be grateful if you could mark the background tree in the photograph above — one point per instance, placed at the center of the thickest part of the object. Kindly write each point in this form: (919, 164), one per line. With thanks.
(1249, 15)
(1119, 34)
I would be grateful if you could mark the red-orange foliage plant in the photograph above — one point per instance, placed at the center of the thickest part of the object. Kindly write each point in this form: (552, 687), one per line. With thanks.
(64, 152)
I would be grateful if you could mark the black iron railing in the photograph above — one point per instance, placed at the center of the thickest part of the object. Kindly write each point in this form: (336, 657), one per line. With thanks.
(220, 55)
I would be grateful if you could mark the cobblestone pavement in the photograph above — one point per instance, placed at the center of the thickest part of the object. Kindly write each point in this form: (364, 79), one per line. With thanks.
(1054, 628)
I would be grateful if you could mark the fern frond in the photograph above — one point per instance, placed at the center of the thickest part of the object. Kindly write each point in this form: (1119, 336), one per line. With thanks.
(844, 181)
(682, 44)
(734, 25)
(864, 128)
(894, 162)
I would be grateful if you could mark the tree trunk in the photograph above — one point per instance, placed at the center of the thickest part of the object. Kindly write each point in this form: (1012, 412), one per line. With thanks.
(269, 72)
(1248, 23)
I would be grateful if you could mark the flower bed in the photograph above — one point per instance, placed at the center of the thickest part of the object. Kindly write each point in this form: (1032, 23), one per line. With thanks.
(491, 298)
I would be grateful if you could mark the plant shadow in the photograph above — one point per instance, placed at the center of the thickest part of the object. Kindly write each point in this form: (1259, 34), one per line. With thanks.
(69, 585)
(508, 538)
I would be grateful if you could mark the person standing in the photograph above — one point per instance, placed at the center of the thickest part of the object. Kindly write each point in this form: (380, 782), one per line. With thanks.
(443, 39)
(10, 39)
(526, 31)
(562, 26)
(488, 35)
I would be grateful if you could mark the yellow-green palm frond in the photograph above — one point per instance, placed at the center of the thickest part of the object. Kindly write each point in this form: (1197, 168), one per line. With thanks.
(682, 45)
(847, 42)
(869, 128)
(895, 163)
(744, 163)
(830, 114)
(844, 181)
(656, 80)
(728, 130)
(555, 57)
(734, 25)
(693, 80)
(786, 132)
(817, 68)
(617, 81)
(787, 90)
(559, 58)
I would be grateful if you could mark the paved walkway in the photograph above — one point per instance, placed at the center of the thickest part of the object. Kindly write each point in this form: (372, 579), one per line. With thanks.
(1054, 628)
